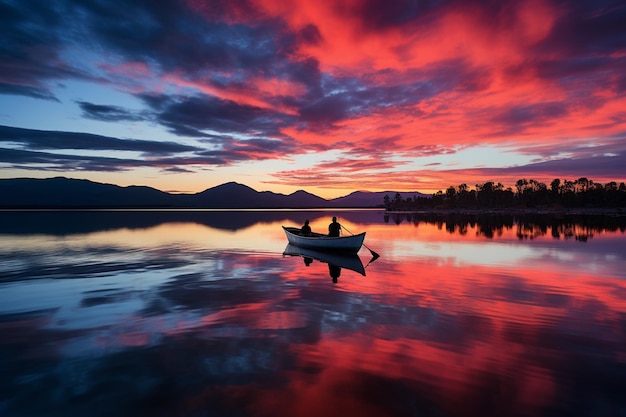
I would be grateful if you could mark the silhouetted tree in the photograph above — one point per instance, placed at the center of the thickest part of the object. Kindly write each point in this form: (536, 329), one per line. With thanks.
(582, 192)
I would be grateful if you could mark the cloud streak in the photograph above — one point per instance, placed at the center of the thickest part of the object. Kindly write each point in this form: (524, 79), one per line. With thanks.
(49, 140)
(49, 151)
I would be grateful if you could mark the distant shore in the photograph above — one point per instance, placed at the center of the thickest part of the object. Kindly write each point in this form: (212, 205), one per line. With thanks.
(595, 211)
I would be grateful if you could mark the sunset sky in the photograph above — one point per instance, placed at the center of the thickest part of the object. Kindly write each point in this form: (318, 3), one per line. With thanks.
(326, 96)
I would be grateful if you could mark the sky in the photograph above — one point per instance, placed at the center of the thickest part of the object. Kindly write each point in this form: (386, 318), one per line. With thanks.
(326, 96)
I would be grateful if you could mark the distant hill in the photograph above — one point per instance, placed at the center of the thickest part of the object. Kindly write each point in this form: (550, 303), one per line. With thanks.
(63, 192)
(370, 198)
(235, 195)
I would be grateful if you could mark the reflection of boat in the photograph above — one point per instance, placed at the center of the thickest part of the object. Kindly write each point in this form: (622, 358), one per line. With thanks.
(341, 260)
(323, 242)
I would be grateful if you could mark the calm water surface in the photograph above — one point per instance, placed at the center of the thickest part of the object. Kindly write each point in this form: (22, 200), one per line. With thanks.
(201, 314)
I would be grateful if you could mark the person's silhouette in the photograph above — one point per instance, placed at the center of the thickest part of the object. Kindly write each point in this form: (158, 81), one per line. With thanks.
(334, 271)
(334, 229)
(305, 230)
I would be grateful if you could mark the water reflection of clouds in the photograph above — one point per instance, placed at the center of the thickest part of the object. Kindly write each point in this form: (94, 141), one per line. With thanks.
(167, 323)
(465, 253)
(601, 257)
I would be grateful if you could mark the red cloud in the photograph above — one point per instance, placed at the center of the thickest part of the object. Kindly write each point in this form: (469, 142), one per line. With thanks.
(364, 36)
(258, 92)
(412, 79)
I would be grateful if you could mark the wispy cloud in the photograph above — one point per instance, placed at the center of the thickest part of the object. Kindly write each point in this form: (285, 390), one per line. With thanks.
(109, 113)
(49, 140)
(51, 150)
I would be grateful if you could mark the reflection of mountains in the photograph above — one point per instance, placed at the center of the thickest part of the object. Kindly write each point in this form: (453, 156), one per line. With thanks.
(527, 226)
(77, 222)
(490, 225)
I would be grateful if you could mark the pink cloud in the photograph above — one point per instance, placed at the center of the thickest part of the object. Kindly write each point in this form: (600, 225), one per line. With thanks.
(412, 79)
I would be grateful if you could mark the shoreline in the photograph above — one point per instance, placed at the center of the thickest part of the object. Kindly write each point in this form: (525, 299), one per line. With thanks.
(579, 211)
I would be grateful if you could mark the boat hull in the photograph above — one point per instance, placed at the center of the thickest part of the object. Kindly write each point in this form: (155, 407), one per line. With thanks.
(318, 241)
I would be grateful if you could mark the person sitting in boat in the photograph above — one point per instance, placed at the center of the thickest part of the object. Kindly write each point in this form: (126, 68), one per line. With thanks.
(306, 229)
(334, 229)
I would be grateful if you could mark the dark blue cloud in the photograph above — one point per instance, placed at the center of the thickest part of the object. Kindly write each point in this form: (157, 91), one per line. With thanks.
(27, 149)
(376, 15)
(341, 98)
(108, 113)
(592, 167)
(258, 148)
(588, 28)
(45, 139)
(33, 38)
(518, 118)
(196, 114)
(310, 34)
(55, 162)
(33, 91)
(31, 160)
(174, 37)
(612, 146)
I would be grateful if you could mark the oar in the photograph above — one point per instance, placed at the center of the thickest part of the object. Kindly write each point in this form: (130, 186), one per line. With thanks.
(374, 254)
(371, 260)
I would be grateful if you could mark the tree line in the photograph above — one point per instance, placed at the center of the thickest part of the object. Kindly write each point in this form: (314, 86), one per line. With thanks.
(582, 192)
(580, 227)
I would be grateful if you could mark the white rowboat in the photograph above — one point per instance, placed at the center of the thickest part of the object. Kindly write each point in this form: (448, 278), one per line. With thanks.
(323, 242)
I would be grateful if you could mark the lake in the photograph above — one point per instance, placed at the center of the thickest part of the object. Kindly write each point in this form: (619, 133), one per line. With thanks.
(200, 313)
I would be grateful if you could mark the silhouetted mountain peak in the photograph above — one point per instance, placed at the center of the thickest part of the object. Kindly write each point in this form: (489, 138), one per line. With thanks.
(231, 186)
(301, 193)
(356, 193)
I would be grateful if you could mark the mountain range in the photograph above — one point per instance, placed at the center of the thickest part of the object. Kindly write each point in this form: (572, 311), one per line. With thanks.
(61, 192)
